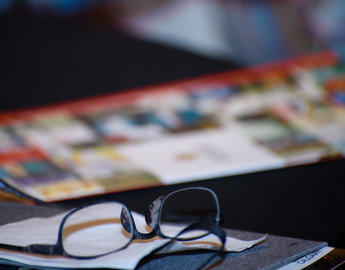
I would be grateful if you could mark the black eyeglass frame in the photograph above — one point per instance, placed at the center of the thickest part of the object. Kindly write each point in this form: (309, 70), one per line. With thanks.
(152, 217)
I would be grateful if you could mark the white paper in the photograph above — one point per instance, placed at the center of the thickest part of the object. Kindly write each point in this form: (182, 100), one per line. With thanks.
(45, 231)
(200, 155)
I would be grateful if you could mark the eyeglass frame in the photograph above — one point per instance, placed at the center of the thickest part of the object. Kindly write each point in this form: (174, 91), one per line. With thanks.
(152, 218)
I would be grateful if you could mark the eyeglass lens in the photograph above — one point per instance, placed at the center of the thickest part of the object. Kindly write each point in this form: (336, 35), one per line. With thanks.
(186, 207)
(87, 231)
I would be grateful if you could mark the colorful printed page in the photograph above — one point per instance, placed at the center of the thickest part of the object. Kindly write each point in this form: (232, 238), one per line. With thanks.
(260, 118)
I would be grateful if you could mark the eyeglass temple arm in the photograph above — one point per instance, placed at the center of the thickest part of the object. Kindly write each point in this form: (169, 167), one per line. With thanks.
(211, 227)
(208, 225)
(36, 249)
(215, 229)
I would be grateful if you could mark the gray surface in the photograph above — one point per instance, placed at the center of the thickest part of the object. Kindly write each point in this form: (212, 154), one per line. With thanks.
(274, 252)
(12, 212)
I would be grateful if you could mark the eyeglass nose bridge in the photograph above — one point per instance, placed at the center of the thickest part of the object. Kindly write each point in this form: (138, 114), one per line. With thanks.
(129, 225)
(153, 212)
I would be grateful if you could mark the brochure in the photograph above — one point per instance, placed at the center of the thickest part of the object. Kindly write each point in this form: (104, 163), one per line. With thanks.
(272, 116)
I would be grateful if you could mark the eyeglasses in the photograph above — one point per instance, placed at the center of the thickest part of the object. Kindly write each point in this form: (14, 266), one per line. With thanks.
(182, 215)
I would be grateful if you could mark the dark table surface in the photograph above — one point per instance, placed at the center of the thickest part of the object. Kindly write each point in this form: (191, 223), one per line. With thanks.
(47, 59)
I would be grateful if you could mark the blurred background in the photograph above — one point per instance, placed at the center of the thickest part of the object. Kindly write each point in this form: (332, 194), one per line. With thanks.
(242, 31)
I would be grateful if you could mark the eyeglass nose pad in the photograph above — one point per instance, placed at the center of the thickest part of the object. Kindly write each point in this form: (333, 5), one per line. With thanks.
(125, 220)
(152, 212)
(148, 217)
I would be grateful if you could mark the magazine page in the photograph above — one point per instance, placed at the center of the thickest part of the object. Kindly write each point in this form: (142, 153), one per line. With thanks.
(273, 116)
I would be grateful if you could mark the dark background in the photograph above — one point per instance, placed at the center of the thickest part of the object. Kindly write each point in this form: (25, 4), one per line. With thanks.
(46, 59)
(51, 59)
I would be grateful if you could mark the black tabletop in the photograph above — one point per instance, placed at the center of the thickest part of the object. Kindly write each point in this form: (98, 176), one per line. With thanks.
(45, 60)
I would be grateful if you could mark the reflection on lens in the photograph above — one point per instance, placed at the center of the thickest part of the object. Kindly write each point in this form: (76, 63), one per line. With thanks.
(187, 207)
(95, 230)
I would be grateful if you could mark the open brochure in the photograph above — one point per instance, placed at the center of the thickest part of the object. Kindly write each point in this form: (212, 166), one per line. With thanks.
(45, 231)
(236, 122)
